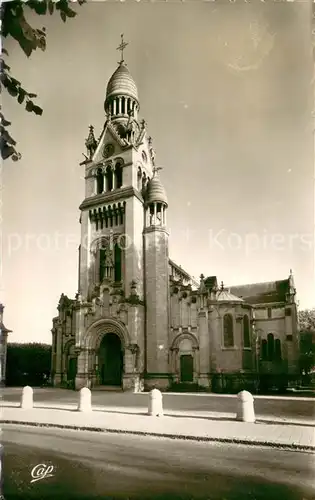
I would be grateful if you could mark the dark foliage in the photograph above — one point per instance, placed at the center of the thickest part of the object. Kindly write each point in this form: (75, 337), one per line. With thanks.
(14, 24)
(307, 340)
(28, 364)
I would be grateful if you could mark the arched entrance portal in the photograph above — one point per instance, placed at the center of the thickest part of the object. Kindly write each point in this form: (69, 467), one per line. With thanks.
(110, 360)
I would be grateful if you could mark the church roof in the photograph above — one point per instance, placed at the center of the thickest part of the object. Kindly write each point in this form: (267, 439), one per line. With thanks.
(122, 83)
(226, 296)
(182, 272)
(155, 191)
(263, 293)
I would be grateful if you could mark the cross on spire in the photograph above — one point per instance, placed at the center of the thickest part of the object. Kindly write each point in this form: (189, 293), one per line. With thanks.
(121, 47)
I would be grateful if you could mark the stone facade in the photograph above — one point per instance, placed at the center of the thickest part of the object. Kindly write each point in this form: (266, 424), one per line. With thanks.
(139, 320)
(3, 346)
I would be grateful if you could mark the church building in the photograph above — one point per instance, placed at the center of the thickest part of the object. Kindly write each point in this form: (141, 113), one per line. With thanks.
(139, 320)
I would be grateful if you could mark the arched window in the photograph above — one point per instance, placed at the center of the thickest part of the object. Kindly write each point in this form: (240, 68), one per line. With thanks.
(99, 181)
(144, 180)
(271, 346)
(109, 178)
(278, 350)
(123, 111)
(117, 252)
(264, 350)
(119, 175)
(102, 263)
(246, 331)
(228, 330)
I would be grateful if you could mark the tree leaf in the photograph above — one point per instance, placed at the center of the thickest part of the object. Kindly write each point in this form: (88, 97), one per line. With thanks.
(41, 43)
(29, 106)
(32, 96)
(41, 32)
(12, 91)
(6, 150)
(21, 96)
(32, 108)
(27, 30)
(37, 110)
(5, 136)
(4, 122)
(4, 66)
(40, 6)
(15, 81)
(16, 156)
(63, 16)
(70, 13)
(10, 84)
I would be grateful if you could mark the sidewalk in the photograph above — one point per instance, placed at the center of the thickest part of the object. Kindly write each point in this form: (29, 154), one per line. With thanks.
(208, 426)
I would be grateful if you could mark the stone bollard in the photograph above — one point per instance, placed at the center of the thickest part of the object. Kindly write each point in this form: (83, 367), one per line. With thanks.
(1, 471)
(245, 407)
(155, 403)
(27, 398)
(85, 400)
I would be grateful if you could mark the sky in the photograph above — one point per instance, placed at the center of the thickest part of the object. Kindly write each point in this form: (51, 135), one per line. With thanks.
(225, 89)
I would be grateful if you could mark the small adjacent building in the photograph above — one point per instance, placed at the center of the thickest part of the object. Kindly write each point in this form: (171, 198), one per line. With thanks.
(138, 319)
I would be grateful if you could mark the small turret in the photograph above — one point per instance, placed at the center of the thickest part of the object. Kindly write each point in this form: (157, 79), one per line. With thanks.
(91, 143)
(155, 201)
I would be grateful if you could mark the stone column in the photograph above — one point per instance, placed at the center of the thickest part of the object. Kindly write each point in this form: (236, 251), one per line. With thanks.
(81, 379)
(114, 178)
(196, 354)
(131, 378)
(105, 181)
(176, 363)
(204, 354)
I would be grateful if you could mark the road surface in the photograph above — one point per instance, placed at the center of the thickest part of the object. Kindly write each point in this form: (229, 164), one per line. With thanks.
(87, 465)
(278, 407)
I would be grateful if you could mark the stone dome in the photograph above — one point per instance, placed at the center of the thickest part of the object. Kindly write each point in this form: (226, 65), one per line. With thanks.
(122, 83)
(155, 191)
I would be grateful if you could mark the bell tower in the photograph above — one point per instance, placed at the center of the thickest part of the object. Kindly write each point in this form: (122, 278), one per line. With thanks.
(156, 284)
(118, 167)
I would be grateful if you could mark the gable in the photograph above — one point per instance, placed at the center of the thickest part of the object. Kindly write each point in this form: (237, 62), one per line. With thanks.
(109, 137)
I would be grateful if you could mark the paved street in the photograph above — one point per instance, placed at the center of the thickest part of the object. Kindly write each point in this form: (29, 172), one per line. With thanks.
(94, 466)
(285, 407)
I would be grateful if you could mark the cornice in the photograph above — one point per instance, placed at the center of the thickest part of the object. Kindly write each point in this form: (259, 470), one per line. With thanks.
(117, 194)
(152, 229)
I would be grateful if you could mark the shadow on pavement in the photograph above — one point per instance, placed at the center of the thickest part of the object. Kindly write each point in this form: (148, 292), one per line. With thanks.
(166, 414)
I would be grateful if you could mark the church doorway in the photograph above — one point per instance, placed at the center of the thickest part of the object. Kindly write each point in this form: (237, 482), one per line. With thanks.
(72, 370)
(111, 360)
(186, 368)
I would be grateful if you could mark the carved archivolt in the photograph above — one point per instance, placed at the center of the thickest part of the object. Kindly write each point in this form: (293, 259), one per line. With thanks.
(183, 336)
(98, 329)
(68, 347)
